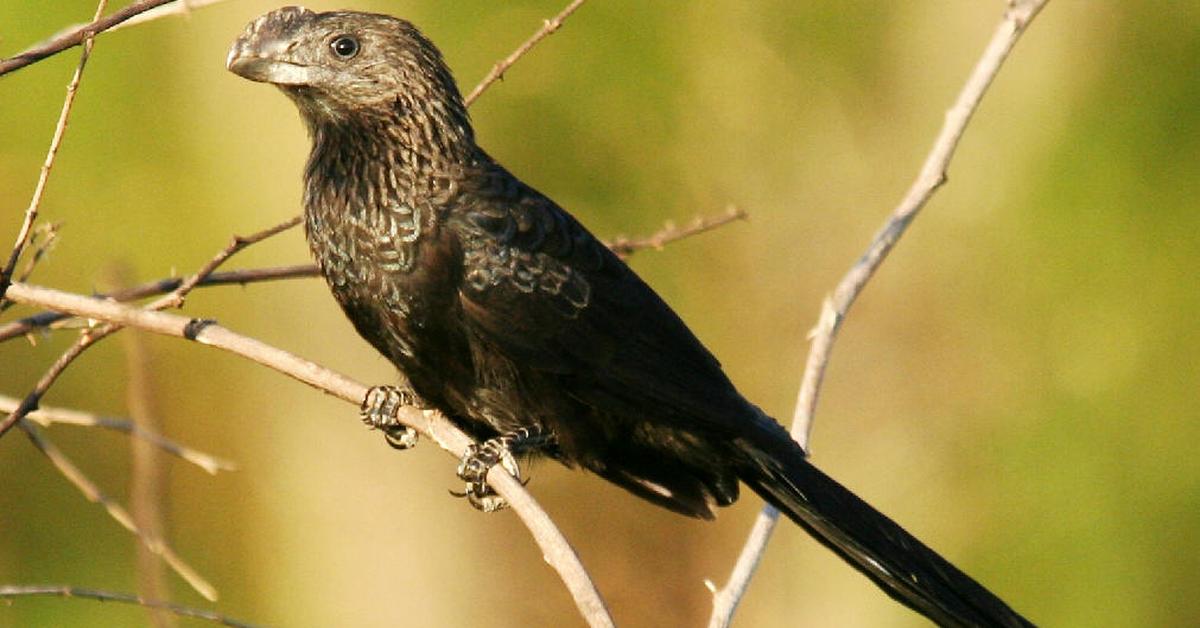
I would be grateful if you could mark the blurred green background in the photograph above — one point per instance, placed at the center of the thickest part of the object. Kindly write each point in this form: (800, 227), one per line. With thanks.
(1017, 387)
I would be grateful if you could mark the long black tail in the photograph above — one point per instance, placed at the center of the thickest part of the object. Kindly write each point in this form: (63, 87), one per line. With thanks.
(901, 565)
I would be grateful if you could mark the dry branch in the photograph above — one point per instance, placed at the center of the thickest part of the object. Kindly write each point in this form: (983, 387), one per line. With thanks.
(624, 247)
(47, 416)
(557, 552)
(10, 592)
(41, 320)
(93, 493)
(76, 36)
(60, 129)
(833, 311)
(502, 66)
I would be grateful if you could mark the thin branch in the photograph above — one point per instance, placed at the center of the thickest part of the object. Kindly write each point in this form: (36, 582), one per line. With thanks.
(92, 336)
(624, 247)
(498, 70)
(60, 129)
(26, 326)
(76, 36)
(9, 592)
(46, 416)
(184, 7)
(932, 176)
(31, 400)
(174, 299)
(41, 242)
(556, 550)
(116, 511)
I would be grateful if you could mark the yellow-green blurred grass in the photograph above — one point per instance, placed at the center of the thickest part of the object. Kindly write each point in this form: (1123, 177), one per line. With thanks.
(1017, 386)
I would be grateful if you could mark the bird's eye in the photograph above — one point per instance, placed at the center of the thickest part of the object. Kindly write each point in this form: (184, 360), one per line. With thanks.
(345, 47)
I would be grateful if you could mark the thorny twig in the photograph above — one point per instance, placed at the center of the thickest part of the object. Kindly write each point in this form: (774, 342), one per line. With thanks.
(60, 130)
(833, 310)
(32, 211)
(41, 240)
(502, 66)
(624, 247)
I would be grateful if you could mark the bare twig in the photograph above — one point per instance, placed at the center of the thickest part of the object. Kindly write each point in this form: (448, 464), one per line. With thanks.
(76, 36)
(174, 299)
(498, 70)
(556, 550)
(243, 277)
(41, 242)
(47, 416)
(184, 7)
(92, 336)
(60, 130)
(624, 247)
(9, 592)
(116, 511)
(31, 400)
(833, 310)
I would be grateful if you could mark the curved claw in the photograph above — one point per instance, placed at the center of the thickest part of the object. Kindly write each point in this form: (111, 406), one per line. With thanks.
(474, 467)
(401, 436)
(378, 411)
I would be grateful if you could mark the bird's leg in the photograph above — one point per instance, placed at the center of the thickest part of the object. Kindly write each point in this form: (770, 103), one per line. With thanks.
(379, 410)
(502, 450)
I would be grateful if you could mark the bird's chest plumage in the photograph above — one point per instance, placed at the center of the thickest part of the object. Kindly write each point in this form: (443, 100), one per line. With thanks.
(379, 260)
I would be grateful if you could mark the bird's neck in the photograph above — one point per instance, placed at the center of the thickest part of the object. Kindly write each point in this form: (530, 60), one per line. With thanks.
(373, 161)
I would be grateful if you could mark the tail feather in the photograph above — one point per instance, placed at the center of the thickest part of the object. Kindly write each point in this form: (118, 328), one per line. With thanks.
(897, 562)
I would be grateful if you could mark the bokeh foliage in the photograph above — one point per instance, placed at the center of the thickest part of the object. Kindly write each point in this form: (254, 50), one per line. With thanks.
(1018, 387)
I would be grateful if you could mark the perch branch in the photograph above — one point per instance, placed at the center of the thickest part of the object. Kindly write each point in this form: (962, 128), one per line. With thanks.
(27, 325)
(556, 550)
(932, 176)
(174, 299)
(87, 339)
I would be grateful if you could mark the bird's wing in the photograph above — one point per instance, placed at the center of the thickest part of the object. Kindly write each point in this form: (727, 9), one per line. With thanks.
(544, 291)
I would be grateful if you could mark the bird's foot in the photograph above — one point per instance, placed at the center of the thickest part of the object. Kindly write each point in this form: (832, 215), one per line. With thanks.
(502, 450)
(379, 410)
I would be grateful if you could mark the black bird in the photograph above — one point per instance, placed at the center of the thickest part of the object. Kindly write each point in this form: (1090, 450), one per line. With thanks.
(506, 314)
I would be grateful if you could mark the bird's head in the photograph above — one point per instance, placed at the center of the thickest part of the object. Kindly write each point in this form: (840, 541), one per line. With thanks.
(345, 64)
